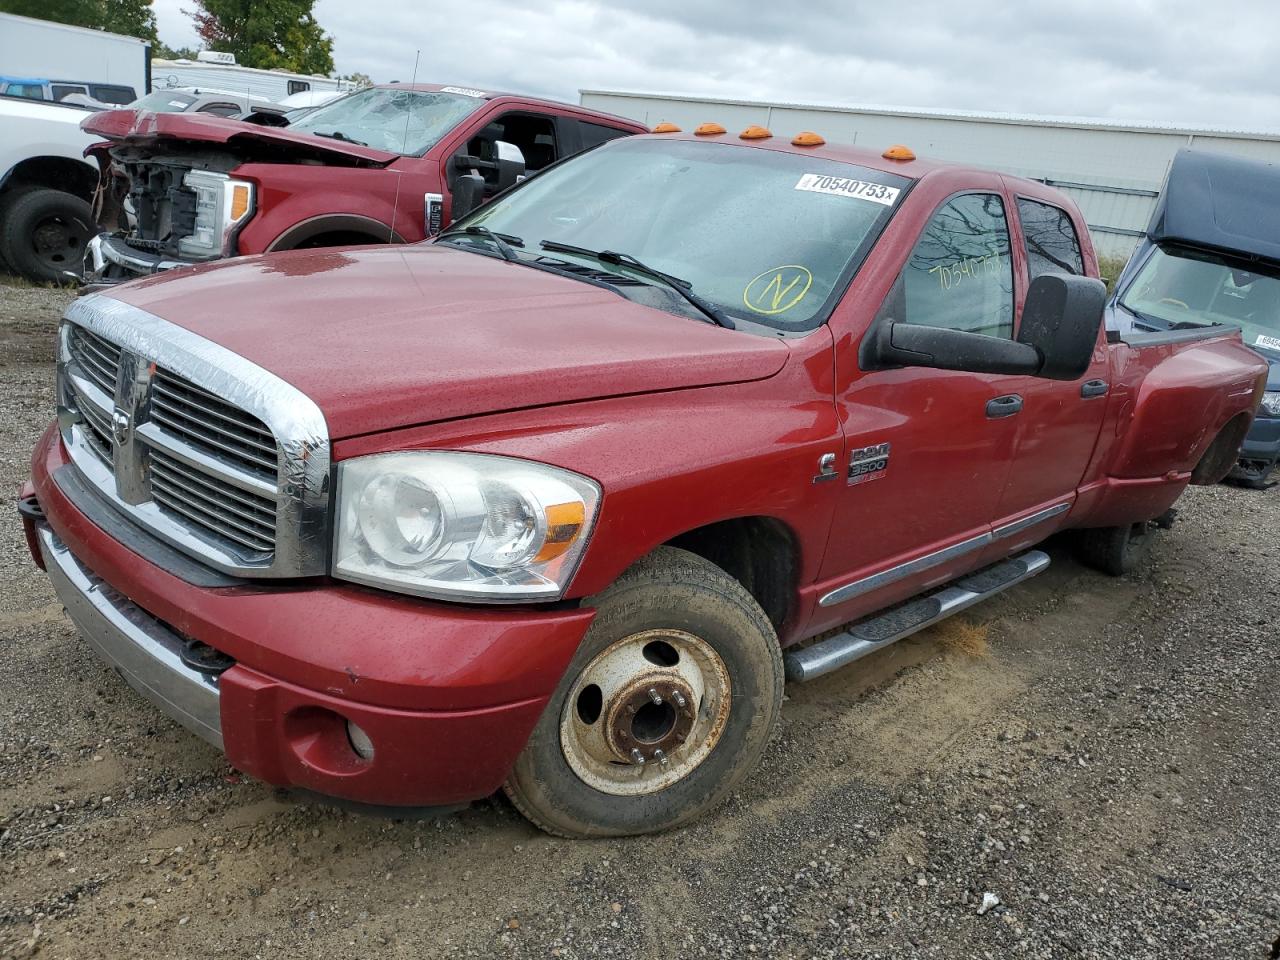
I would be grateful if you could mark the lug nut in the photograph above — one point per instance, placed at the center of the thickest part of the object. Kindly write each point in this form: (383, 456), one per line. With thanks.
(660, 757)
(655, 696)
(678, 697)
(637, 758)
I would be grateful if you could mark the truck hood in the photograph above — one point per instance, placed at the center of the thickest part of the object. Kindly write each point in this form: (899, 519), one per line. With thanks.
(136, 126)
(388, 337)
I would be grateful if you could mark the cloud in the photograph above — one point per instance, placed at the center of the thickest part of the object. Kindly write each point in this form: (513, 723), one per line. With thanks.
(1142, 60)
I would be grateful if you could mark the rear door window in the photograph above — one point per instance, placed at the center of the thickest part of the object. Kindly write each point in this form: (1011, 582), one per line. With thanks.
(960, 274)
(61, 90)
(594, 134)
(1052, 243)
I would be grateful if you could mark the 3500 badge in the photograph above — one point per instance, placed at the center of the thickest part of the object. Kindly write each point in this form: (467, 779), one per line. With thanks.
(868, 463)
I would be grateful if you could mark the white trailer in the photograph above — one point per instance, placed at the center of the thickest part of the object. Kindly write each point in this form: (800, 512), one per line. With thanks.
(1113, 169)
(219, 71)
(41, 49)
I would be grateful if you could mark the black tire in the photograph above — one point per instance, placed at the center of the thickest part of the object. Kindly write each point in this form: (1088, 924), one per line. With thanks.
(44, 232)
(1115, 550)
(676, 590)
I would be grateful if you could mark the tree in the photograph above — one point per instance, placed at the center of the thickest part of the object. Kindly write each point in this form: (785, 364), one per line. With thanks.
(133, 18)
(269, 34)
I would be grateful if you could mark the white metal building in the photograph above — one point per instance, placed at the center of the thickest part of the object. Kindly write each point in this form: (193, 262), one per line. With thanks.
(1112, 169)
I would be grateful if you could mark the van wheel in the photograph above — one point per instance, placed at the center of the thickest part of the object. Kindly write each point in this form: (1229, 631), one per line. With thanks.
(43, 234)
(667, 705)
(1115, 550)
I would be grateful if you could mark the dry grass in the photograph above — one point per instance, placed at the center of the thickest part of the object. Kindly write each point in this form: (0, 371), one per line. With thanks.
(1110, 268)
(963, 637)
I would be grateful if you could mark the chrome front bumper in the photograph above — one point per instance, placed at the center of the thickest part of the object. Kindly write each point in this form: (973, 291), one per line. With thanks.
(109, 260)
(141, 648)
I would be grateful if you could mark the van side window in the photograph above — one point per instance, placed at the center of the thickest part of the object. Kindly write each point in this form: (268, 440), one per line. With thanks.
(960, 274)
(1052, 243)
(61, 90)
(298, 86)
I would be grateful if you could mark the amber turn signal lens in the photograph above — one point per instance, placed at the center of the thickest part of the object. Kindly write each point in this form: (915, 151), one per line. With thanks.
(899, 152)
(564, 523)
(807, 139)
(709, 130)
(666, 127)
(239, 201)
(755, 132)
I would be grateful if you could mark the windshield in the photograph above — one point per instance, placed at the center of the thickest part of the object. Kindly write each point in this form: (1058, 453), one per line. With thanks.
(164, 101)
(1182, 289)
(398, 121)
(766, 236)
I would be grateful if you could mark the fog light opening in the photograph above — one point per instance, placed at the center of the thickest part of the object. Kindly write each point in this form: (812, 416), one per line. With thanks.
(360, 741)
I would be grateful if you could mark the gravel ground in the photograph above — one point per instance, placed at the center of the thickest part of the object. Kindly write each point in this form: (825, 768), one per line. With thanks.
(1106, 774)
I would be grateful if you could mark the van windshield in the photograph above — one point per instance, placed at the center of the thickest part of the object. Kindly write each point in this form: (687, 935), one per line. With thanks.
(765, 236)
(1176, 289)
(398, 121)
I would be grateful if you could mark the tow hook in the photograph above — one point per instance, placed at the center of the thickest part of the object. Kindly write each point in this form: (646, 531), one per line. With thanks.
(1165, 520)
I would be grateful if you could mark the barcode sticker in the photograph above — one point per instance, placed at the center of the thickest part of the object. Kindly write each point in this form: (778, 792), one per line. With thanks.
(847, 187)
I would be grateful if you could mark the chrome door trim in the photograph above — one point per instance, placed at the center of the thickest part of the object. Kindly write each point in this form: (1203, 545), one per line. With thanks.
(857, 588)
(1040, 516)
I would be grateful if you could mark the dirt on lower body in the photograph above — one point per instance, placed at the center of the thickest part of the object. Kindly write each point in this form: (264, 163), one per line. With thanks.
(1094, 759)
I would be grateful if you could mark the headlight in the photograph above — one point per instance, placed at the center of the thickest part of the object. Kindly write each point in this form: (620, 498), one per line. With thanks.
(222, 204)
(461, 526)
(1271, 403)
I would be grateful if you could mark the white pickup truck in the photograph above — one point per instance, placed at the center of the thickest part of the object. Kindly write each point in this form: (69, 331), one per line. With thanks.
(46, 187)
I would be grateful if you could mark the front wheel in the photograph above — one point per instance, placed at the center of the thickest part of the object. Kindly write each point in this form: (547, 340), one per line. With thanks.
(43, 234)
(668, 704)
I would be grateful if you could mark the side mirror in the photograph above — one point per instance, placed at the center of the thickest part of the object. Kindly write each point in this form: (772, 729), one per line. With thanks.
(1059, 329)
(1061, 320)
(510, 164)
(468, 193)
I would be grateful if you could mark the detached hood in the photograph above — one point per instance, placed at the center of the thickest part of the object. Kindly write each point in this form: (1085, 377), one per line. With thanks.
(135, 126)
(387, 337)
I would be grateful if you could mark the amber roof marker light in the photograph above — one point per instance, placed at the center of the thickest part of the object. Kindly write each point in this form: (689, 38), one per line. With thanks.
(755, 132)
(899, 152)
(708, 130)
(807, 138)
(666, 127)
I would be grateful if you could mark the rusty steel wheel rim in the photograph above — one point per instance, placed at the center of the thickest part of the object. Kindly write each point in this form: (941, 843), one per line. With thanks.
(645, 712)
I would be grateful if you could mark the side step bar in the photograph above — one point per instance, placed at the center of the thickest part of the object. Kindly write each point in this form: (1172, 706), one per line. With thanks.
(869, 635)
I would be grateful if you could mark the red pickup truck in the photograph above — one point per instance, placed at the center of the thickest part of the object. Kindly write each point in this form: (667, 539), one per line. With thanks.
(388, 164)
(557, 500)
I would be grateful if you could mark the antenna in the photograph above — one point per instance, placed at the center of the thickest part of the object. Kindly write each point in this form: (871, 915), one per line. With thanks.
(404, 145)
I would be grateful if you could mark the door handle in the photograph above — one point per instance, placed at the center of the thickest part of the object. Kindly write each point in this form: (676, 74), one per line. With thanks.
(1094, 388)
(1005, 406)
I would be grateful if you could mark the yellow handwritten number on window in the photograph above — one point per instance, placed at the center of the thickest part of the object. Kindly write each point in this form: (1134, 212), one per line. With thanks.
(778, 289)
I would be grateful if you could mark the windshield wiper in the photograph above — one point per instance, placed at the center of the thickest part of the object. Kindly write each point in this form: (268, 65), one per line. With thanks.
(502, 241)
(338, 135)
(682, 287)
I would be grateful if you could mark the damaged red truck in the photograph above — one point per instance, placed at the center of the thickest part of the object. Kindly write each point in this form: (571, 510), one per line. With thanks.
(556, 501)
(389, 164)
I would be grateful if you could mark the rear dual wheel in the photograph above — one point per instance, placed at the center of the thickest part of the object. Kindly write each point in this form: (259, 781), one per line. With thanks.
(668, 704)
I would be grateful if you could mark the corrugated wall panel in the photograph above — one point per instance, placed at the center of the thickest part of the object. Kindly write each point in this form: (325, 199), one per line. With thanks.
(1113, 174)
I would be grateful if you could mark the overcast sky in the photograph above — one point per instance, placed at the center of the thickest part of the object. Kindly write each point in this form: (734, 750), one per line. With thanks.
(1178, 60)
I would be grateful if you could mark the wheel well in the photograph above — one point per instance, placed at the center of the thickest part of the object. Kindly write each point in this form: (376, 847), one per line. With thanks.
(58, 173)
(759, 552)
(1222, 453)
(337, 238)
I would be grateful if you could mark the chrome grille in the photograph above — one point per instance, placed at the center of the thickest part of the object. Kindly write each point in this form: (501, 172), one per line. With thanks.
(193, 442)
(211, 423)
(98, 359)
(223, 511)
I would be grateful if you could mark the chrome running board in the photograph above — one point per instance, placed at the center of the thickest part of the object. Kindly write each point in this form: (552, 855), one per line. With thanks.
(869, 635)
